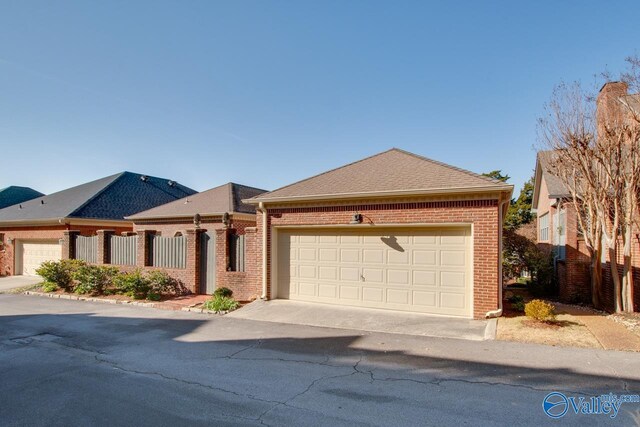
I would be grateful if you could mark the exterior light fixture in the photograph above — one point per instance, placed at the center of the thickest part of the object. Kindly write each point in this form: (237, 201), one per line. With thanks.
(356, 219)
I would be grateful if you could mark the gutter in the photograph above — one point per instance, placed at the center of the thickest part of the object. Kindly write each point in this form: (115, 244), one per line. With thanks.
(263, 211)
(498, 312)
(187, 216)
(423, 192)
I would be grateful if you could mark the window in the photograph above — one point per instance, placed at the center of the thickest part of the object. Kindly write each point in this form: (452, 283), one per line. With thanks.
(543, 225)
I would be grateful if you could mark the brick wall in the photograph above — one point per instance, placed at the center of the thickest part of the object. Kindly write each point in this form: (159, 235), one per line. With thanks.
(483, 214)
(244, 284)
(52, 232)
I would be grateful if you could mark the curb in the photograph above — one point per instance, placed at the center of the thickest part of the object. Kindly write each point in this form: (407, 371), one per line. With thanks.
(157, 306)
(91, 299)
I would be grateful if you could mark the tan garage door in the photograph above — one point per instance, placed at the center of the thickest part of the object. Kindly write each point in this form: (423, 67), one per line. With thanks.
(421, 270)
(32, 254)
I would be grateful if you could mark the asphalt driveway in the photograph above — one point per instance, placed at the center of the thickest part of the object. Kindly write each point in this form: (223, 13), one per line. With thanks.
(78, 363)
(13, 282)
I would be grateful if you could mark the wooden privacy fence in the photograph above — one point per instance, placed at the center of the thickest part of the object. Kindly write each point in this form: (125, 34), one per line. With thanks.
(169, 252)
(237, 246)
(86, 248)
(123, 250)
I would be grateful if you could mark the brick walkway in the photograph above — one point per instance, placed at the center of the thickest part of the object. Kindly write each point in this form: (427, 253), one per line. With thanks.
(178, 303)
(610, 334)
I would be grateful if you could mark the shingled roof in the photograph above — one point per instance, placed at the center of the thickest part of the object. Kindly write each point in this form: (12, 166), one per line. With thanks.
(13, 195)
(110, 198)
(393, 172)
(555, 186)
(216, 201)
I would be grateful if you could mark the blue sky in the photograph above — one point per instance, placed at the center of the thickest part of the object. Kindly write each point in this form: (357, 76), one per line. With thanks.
(265, 93)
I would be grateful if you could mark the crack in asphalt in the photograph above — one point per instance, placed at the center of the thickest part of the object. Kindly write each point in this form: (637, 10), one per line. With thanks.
(356, 368)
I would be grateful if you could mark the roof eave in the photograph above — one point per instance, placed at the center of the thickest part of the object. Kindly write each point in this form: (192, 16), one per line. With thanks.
(61, 221)
(378, 194)
(185, 216)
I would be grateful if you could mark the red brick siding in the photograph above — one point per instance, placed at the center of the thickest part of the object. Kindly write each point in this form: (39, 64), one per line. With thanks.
(53, 232)
(244, 284)
(483, 214)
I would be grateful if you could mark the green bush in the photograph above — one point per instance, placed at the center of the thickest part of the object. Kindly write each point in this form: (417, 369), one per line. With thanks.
(219, 303)
(49, 287)
(223, 292)
(160, 283)
(60, 273)
(540, 310)
(517, 302)
(93, 279)
(133, 284)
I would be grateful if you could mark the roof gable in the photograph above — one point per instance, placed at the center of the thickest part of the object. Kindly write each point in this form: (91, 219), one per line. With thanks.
(218, 200)
(13, 195)
(555, 186)
(391, 172)
(110, 198)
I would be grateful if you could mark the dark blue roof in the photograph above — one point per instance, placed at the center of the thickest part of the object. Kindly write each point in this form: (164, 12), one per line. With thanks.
(112, 197)
(14, 194)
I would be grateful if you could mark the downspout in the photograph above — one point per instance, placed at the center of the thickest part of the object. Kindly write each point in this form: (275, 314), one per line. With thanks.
(498, 312)
(263, 211)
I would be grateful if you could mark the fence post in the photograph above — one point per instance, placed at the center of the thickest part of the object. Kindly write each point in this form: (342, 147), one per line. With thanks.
(69, 244)
(144, 248)
(104, 239)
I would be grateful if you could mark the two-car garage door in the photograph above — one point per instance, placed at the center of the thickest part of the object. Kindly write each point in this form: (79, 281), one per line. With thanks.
(30, 254)
(422, 270)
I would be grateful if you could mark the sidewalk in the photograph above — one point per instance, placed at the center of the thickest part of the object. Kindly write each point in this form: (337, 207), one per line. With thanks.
(610, 334)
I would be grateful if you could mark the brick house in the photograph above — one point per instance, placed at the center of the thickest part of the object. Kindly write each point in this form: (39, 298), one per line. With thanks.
(394, 231)
(13, 195)
(215, 222)
(40, 229)
(558, 228)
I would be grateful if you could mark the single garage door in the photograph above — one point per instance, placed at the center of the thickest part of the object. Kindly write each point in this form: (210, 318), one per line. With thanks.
(420, 270)
(33, 253)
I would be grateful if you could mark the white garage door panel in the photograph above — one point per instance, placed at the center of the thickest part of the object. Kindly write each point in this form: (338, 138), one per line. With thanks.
(422, 270)
(32, 254)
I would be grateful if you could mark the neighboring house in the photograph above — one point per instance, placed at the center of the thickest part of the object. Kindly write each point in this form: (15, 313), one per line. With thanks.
(558, 231)
(395, 231)
(558, 228)
(219, 214)
(13, 195)
(40, 229)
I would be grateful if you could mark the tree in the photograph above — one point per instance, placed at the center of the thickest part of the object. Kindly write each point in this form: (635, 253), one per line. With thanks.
(497, 174)
(519, 212)
(598, 159)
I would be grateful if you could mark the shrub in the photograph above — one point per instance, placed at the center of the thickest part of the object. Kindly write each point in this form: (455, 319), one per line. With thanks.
(220, 303)
(49, 287)
(160, 283)
(60, 273)
(93, 279)
(223, 292)
(517, 302)
(133, 284)
(540, 310)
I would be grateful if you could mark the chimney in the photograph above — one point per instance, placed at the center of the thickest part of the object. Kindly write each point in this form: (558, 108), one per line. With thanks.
(608, 105)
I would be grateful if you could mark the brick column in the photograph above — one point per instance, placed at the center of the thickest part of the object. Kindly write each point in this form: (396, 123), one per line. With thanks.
(104, 252)
(193, 259)
(252, 262)
(222, 254)
(69, 244)
(144, 248)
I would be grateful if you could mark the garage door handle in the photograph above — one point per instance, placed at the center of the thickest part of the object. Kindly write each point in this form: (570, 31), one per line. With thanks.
(361, 278)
